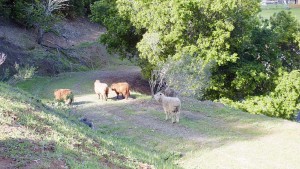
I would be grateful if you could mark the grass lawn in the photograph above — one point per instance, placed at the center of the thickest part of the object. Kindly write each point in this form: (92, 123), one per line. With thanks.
(267, 12)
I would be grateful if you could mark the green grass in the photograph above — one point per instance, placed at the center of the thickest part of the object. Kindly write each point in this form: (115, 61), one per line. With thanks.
(229, 138)
(49, 134)
(267, 13)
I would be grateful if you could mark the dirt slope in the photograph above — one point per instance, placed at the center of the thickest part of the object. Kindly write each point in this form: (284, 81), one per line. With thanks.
(73, 47)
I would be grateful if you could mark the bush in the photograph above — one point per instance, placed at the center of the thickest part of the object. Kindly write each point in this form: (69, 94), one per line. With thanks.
(23, 73)
(282, 102)
(4, 9)
(18, 11)
(78, 8)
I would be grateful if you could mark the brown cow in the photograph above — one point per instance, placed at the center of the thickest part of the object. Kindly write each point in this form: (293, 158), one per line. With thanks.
(65, 95)
(121, 88)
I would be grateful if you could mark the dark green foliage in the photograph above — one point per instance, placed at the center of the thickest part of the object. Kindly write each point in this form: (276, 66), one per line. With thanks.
(146, 68)
(271, 46)
(78, 8)
(287, 29)
(18, 11)
(4, 8)
(284, 102)
(121, 36)
(31, 14)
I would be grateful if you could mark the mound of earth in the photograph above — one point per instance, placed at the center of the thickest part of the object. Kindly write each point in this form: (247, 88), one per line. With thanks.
(72, 48)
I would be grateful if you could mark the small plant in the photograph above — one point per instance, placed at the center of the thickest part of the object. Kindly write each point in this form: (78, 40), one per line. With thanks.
(41, 15)
(23, 73)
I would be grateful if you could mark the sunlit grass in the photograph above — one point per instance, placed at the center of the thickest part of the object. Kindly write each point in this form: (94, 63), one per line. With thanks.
(227, 137)
(71, 139)
(267, 13)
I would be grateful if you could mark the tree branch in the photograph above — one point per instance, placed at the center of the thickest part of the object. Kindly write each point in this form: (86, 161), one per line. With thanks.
(2, 58)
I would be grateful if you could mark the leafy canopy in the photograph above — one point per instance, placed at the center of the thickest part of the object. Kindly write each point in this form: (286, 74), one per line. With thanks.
(283, 102)
(121, 36)
(247, 55)
(271, 47)
(175, 28)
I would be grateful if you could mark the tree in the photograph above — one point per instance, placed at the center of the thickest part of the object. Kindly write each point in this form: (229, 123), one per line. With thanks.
(245, 54)
(121, 36)
(78, 8)
(41, 15)
(287, 29)
(201, 29)
(283, 102)
(271, 47)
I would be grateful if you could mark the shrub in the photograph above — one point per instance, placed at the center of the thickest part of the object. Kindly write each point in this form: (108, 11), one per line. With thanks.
(18, 11)
(78, 8)
(4, 9)
(23, 73)
(282, 102)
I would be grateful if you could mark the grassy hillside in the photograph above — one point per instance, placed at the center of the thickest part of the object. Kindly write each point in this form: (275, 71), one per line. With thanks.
(35, 135)
(209, 135)
(268, 12)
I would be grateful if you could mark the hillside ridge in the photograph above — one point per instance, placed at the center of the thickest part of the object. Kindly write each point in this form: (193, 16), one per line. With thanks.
(72, 46)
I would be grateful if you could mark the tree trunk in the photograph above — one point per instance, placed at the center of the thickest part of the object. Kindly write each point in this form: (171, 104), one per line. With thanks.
(40, 35)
